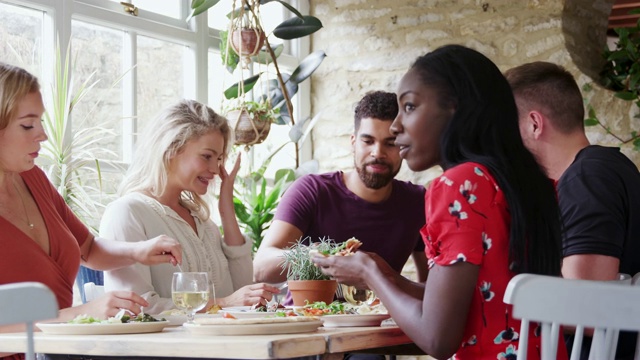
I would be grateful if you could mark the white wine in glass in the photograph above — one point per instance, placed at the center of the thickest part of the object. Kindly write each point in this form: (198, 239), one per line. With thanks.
(190, 292)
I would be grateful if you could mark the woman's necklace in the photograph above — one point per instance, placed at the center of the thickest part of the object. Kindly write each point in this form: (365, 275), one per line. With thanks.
(24, 207)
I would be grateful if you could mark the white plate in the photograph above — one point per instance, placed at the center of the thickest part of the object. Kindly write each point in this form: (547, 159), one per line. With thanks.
(235, 309)
(102, 329)
(254, 329)
(353, 320)
(250, 314)
(177, 320)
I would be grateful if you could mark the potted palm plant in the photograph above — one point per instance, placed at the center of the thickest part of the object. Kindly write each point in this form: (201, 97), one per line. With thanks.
(306, 281)
(67, 155)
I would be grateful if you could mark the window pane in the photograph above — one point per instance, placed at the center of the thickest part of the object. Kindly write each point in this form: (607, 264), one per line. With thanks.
(160, 77)
(163, 7)
(21, 37)
(96, 52)
(219, 80)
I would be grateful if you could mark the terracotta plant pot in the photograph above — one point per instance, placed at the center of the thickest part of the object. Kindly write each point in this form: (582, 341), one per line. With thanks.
(246, 41)
(247, 130)
(303, 291)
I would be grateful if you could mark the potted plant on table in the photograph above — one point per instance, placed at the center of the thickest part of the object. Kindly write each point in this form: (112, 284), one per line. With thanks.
(306, 281)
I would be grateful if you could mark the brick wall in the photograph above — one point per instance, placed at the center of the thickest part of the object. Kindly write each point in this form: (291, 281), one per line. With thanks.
(371, 43)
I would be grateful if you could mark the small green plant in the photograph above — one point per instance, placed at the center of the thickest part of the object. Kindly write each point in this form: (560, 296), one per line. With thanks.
(297, 259)
(258, 110)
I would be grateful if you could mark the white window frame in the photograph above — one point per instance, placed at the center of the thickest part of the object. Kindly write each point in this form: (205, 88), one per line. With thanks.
(196, 34)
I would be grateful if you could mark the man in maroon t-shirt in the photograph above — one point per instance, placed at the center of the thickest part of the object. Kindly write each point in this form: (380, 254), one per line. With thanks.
(385, 214)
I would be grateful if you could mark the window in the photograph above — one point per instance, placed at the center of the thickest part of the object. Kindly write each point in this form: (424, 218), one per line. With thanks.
(141, 63)
(166, 8)
(21, 37)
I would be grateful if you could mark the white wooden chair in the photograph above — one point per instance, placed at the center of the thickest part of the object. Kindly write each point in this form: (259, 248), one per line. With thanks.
(93, 291)
(555, 301)
(27, 302)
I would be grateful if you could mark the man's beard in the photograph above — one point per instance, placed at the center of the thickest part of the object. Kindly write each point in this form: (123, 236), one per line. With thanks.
(376, 180)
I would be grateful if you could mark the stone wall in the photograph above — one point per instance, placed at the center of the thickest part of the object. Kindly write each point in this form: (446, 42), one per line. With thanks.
(371, 43)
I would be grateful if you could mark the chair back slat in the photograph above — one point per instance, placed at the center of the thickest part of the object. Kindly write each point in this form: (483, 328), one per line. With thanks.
(554, 301)
(27, 302)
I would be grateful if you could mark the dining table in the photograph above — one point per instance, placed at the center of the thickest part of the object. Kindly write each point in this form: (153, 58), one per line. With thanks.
(178, 342)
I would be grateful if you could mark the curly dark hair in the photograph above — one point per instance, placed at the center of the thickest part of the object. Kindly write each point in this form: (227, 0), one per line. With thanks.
(379, 105)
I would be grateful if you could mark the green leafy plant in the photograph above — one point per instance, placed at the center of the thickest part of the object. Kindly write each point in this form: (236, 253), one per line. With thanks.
(621, 74)
(297, 259)
(258, 110)
(67, 155)
(255, 201)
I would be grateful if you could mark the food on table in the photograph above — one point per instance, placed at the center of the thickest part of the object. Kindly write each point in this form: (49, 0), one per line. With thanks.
(120, 318)
(271, 306)
(214, 309)
(320, 308)
(347, 248)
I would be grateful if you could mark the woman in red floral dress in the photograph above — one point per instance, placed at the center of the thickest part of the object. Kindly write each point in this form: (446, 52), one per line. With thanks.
(492, 213)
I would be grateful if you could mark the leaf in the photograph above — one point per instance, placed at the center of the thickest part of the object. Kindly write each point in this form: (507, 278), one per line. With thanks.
(626, 95)
(200, 7)
(288, 174)
(291, 8)
(307, 66)
(196, 3)
(590, 122)
(241, 87)
(229, 58)
(283, 117)
(264, 57)
(636, 144)
(307, 131)
(296, 27)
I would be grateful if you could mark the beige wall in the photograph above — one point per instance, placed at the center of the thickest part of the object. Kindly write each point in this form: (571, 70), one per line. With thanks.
(371, 43)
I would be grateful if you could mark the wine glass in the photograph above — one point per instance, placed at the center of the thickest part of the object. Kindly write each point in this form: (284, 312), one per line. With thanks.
(190, 292)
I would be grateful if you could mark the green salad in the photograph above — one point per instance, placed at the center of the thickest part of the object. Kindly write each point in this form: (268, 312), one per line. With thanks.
(121, 318)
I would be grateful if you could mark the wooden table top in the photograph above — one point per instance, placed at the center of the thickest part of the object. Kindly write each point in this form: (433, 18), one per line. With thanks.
(179, 342)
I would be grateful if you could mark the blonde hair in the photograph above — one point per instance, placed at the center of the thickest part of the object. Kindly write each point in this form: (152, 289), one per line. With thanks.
(15, 84)
(164, 138)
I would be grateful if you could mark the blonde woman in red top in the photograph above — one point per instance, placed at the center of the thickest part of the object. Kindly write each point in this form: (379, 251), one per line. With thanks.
(42, 240)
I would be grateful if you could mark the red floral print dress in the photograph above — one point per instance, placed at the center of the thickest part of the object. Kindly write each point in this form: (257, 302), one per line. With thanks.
(467, 219)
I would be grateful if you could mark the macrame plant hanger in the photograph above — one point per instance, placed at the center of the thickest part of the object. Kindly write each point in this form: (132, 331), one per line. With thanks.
(246, 38)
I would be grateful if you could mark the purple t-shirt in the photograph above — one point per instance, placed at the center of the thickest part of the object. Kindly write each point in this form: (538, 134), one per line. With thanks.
(322, 206)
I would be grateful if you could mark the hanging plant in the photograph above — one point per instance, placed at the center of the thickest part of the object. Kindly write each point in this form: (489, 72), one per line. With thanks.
(280, 90)
(247, 35)
(251, 121)
(247, 42)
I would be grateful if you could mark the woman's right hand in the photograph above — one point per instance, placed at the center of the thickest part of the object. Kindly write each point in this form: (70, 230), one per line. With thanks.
(109, 304)
(250, 295)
